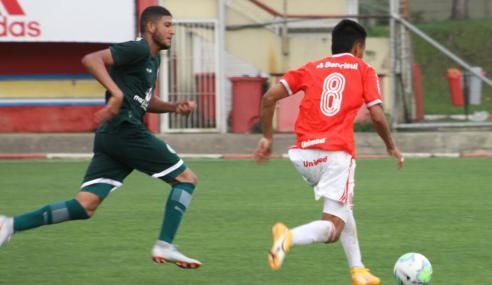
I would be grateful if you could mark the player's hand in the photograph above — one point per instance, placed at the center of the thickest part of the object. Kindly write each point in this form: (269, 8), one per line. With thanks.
(185, 107)
(396, 153)
(111, 109)
(263, 151)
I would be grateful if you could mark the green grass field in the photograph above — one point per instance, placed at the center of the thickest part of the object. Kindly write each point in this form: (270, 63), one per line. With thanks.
(438, 207)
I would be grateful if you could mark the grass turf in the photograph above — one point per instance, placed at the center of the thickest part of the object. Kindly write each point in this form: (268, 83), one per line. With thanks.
(438, 207)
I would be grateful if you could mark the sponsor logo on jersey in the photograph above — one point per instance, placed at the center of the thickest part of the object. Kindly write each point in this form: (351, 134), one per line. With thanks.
(315, 162)
(143, 103)
(149, 70)
(309, 143)
(17, 26)
(338, 65)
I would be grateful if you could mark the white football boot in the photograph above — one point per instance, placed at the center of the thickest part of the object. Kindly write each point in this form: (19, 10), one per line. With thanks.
(164, 252)
(6, 229)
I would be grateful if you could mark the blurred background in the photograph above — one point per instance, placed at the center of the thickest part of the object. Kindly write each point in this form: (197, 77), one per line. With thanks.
(431, 57)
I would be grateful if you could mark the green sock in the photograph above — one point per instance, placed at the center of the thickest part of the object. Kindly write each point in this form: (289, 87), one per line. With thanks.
(53, 213)
(177, 202)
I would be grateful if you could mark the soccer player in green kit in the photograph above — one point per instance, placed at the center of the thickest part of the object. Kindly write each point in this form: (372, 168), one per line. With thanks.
(122, 143)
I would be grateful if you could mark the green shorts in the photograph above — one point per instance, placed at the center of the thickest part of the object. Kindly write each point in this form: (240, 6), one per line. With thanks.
(120, 150)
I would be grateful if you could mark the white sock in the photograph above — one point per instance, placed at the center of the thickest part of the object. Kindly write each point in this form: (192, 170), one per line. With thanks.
(351, 243)
(314, 232)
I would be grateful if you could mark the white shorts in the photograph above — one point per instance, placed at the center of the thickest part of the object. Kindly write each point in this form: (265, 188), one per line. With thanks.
(330, 173)
(336, 208)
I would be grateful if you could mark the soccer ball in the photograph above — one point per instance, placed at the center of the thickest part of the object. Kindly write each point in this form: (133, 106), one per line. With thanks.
(413, 268)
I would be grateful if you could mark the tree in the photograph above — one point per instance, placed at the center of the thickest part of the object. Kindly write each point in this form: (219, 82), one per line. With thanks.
(460, 10)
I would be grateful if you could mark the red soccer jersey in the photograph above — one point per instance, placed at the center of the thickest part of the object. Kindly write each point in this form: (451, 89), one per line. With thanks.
(335, 88)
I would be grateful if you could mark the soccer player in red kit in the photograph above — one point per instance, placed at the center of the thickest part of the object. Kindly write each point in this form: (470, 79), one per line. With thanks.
(335, 88)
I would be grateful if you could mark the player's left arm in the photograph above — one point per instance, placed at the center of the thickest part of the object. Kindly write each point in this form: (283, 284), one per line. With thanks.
(157, 105)
(95, 63)
(268, 103)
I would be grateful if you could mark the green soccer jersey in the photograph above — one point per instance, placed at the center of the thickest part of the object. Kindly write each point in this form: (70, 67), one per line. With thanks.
(135, 72)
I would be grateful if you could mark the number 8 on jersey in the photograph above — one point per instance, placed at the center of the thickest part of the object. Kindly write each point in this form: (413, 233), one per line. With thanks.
(332, 91)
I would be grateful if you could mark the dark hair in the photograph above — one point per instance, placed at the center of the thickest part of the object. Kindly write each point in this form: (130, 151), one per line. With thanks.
(152, 14)
(345, 35)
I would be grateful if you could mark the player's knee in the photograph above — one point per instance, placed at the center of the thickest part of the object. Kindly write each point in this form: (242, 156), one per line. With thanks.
(192, 178)
(187, 176)
(332, 238)
(336, 237)
(88, 203)
(89, 211)
(334, 229)
(195, 179)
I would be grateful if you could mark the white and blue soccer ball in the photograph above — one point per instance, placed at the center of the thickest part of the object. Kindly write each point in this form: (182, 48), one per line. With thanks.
(413, 268)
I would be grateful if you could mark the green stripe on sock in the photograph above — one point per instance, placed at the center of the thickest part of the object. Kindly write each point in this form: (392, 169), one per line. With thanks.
(177, 202)
(53, 213)
(59, 212)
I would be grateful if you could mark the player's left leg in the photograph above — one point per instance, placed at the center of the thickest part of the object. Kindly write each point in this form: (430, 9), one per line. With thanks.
(327, 230)
(154, 157)
(177, 202)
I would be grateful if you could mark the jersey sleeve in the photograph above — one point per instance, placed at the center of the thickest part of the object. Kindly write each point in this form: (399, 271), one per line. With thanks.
(372, 94)
(127, 53)
(294, 80)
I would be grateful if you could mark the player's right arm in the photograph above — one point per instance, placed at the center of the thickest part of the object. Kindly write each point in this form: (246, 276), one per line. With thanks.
(268, 103)
(381, 126)
(373, 100)
(95, 63)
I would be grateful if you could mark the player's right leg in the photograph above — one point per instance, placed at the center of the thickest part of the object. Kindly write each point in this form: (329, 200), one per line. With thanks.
(6, 229)
(350, 242)
(103, 175)
(53, 213)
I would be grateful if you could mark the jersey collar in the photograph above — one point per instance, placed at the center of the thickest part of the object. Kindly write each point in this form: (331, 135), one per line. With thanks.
(342, 54)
